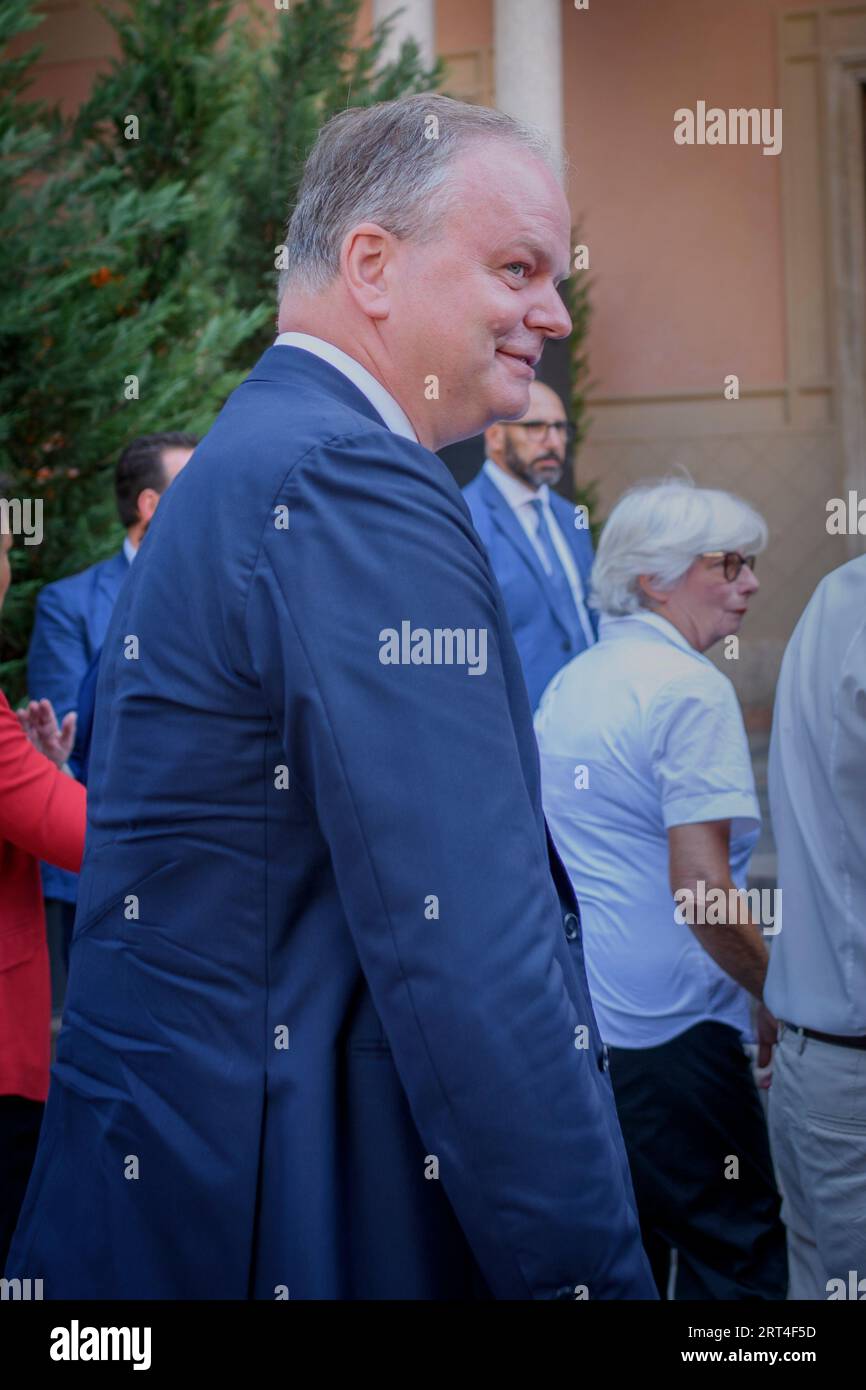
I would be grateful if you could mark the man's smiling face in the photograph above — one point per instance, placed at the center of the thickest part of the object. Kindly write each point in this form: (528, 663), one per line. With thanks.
(475, 304)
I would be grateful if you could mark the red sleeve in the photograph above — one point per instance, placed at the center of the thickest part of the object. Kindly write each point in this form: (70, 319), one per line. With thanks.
(42, 810)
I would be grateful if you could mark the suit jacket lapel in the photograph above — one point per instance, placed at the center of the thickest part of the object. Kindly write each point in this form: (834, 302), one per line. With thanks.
(507, 522)
(108, 581)
(580, 545)
(111, 574)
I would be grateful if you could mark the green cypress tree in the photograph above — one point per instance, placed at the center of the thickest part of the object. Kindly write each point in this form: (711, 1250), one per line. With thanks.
(576, 296)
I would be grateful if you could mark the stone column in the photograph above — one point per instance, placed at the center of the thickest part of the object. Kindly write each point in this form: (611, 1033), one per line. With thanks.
(416, 20)
(527, 41)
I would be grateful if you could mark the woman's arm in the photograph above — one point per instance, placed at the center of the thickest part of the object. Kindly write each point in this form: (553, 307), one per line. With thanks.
(42, 810)
(699, 853)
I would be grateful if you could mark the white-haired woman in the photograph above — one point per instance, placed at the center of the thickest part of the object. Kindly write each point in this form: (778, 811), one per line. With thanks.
(649, 792)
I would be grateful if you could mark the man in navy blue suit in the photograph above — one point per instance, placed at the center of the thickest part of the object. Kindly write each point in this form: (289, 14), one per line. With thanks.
(328, 1032)
(72, 614)
(539, 545)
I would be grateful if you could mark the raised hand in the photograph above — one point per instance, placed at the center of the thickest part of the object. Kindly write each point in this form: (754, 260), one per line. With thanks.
(54, 740)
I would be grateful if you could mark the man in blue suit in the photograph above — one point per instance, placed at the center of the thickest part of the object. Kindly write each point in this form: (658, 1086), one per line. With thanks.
(328, 1032)
(72, 614)
(539, 545)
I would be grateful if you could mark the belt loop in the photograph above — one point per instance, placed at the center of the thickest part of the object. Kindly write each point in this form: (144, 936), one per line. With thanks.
(801, 1032)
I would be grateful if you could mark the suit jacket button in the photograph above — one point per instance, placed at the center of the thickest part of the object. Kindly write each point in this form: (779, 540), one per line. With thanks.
(572, 926)
(604, 1058)
(566, 646)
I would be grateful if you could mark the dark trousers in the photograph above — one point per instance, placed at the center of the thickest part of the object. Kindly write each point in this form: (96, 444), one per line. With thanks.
(60, 919)
(19, 1132)
(688, 1109)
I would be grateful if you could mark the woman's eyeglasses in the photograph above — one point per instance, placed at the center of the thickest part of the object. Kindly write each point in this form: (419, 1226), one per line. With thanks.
(732, 560)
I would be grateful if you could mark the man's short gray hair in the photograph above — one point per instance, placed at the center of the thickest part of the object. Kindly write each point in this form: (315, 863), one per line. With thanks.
(384, 164)
(659, 529)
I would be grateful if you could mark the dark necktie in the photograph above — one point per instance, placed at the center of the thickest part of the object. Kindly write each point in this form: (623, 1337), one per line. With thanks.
(555, 568)
(565, 601)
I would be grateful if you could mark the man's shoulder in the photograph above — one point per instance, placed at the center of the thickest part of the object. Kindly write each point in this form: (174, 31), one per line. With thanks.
(829, 641)
(478, 498)
(837, 608)
(313, 393)
(476, 486)
(303, 453)
(64, 591)
(572, 518)
(360, 461)
(291, 405)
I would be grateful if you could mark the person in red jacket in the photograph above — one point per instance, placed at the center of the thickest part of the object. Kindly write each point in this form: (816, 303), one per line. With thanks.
(42, 816)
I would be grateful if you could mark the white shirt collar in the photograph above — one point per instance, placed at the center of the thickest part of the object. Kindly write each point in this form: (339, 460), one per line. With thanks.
(620, 626)
(129, 549)
(516, 493)
(393, 414)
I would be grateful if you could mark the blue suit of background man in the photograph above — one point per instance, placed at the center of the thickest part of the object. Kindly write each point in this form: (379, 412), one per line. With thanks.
(328, 1032)
(71, 621)
(544, 626)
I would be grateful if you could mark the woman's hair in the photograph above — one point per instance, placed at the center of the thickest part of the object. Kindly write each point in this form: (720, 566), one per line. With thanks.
(659, 529)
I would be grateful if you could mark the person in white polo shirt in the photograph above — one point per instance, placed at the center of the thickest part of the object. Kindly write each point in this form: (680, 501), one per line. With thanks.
(816, 984)
(649, 793)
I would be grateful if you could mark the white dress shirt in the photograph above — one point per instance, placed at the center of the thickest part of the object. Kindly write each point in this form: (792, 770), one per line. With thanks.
(817, 778)
(660, 735)
(129, 549)
(520, 499)
(381, 400)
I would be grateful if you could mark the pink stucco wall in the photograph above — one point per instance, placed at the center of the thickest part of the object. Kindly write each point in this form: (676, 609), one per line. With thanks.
(685, 242)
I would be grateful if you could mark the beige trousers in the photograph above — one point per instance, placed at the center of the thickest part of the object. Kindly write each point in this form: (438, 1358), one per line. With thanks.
(817, 1121)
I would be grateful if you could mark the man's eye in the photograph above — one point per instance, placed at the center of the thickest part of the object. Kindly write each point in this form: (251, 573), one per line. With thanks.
(518, 265)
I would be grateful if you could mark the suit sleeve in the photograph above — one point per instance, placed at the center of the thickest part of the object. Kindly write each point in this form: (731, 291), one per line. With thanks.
(42, 810)
(57, 659)
(79, 760)
(439, 854)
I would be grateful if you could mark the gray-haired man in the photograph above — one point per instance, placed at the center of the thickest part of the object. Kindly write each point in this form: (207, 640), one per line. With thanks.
(348, 1039)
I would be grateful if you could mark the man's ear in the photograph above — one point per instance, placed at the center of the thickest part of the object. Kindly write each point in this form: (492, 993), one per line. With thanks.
(147, 503)
(494, 440)
(365, 261)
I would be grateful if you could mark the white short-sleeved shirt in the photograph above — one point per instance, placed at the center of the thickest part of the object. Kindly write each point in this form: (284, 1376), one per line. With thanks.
(659, 732)
(817, 774)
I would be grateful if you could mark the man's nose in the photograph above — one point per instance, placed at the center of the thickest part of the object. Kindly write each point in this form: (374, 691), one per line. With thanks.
(549, 315)
(749, 581)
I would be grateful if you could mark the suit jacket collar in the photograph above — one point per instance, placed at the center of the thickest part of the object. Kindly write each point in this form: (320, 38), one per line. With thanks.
(291, 366)
(111, 573)
(105, 581)
(378, 395)
(504, 518)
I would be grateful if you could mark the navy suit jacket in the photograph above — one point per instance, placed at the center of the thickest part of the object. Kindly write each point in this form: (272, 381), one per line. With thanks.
(79, 761)
(323, 1026)
(71, 621)
(543, 633)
